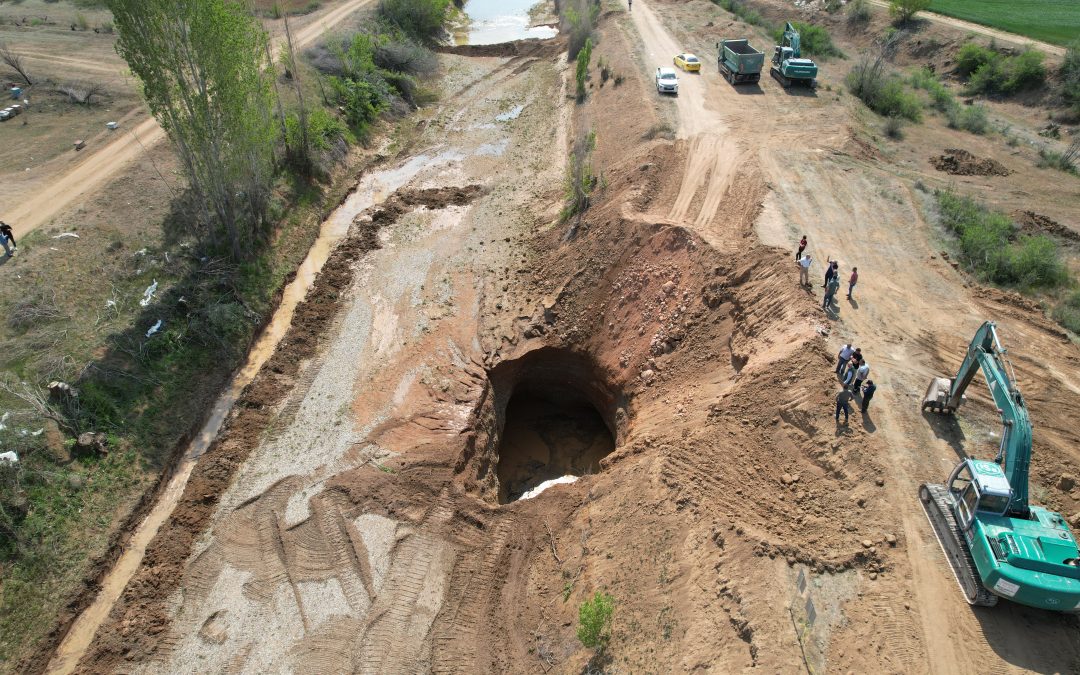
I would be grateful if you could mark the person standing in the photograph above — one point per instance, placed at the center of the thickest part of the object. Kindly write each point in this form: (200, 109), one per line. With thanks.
(867, 393)
(830, 271)
(843, 404)
(860, 376)
(852, 281)
(804, 270)
(832, 287)
(843, 356)
(7, 239)
(802, 247)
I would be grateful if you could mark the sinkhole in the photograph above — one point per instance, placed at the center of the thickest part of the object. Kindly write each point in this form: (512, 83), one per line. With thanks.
(555, 418)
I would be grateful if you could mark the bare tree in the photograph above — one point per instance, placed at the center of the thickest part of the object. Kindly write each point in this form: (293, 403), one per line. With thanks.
(15, 62)
(82, 92)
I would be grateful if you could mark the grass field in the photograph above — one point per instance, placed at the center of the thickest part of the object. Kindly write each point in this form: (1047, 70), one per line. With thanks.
(1054, 21)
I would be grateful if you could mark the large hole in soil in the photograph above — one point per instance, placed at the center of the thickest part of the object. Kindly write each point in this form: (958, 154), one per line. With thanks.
(555, 417)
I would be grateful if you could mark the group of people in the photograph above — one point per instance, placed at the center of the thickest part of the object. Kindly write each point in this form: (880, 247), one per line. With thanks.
(832, 275)
(7, 239)
(854, 374)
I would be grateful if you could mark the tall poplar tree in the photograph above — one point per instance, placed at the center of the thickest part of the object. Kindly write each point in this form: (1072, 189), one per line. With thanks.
(205, 75)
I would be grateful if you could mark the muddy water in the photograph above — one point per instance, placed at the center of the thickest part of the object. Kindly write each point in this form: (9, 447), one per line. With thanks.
(495, 21)
(372, 189)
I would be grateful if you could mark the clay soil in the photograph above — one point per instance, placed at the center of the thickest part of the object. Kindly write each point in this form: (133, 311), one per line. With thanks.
(352, 516)
(962, 163)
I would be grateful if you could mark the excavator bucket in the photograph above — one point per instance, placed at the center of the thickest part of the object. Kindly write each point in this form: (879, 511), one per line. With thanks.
(937, 396)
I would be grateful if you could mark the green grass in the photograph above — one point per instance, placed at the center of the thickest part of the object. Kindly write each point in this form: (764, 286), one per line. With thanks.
(1054, 21)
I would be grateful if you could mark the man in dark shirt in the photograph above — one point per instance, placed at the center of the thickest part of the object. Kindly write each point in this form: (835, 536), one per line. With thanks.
(843, 400)
(868, 393)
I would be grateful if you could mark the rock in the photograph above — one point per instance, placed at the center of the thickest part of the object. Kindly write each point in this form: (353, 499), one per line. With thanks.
(867, 543)
(890, 539)
(647, 376)
(669, 287)
(90, 443)
(791, 561)
(787, 479)
(861, 502)
(873, 576)
(76, 482)
(1075, 519)
(880, 482)
(1066, 482)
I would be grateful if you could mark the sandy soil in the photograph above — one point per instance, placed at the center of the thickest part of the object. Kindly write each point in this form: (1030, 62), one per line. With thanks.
(351, 516)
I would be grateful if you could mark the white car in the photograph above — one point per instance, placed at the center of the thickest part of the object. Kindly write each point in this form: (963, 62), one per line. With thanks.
(667, 82)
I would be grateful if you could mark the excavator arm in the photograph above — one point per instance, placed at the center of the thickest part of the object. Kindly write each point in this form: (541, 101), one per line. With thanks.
(986, 354)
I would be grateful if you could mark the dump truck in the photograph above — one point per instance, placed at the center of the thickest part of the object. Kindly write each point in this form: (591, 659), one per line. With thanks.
(738, 61)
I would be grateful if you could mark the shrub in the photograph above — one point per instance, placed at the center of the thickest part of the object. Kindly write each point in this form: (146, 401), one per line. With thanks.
(884, 94)
(81, 22)
(404, 55)
(969, 118)
(1067, 312)
(594, 621)
(1070, 77)
(902, 11)
(323, 129)
(940, 98)
(583, 56)
(360, 99)
(816, 41)
(739, 9)
(1063, 161)
(971, 56)
(990, 248)
(859, 11)
(421, 19)
(1025, 70)
(894, 128)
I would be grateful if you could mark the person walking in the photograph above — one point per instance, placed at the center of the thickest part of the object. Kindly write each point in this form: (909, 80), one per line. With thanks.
(860, 376)
(843, 356)
(802, 247)
(843, 404)
(867, 393)
(852, 281)
(7, 239)
(804, 270)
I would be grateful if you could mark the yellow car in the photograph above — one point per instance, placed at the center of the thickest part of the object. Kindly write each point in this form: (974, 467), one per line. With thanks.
(688, 62)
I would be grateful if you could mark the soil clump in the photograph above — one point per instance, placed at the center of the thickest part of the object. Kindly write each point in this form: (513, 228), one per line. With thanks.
(960, 162)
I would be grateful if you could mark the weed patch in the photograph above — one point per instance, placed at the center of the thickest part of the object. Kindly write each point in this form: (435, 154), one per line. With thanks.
(816, 40)
(745, 13)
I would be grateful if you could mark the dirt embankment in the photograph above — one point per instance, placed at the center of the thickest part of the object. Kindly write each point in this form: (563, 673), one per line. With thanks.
(962, 163)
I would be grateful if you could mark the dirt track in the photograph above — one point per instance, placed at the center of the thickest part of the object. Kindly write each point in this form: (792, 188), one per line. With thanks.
(95, 167)
(362, 530)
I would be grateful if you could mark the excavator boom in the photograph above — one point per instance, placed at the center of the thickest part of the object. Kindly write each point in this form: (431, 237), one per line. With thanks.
(997, 544)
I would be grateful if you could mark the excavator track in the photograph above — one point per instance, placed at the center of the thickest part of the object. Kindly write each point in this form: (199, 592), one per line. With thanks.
(936, 504)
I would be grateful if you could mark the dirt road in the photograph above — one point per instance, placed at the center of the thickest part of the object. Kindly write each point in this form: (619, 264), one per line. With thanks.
(912, 315)
(980, 29)
(93, 168)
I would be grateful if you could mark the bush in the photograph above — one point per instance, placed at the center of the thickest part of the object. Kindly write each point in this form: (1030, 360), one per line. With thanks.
(940, 97)
(583, 56)
(1062, 161)
(361, 101)
(1067, 312)
(971, 57)
(739, 9)
(1070, 77)
(324, 130)
(884, 94)
(989, 245)
(816, 41)
(421, 19)
(902, 11)
(81, 22)
(894, 128)
(969, 118)
(858, 11)
(401, 54)
(594, 621)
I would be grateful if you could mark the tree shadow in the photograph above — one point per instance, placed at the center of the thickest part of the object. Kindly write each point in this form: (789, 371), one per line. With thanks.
(947, 428)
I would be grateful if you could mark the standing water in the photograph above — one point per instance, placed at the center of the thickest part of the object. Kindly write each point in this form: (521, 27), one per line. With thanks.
(495, 21)
(373, 188)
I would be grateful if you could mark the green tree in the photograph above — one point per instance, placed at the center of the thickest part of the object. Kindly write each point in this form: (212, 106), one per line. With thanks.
(422, 19)
(594, 621)
(584, 55)
(204, 73)
(903, 10)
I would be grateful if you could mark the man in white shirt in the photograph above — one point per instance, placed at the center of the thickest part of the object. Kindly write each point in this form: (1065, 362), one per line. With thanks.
(843, 357)
(860, 376)
(804, 270)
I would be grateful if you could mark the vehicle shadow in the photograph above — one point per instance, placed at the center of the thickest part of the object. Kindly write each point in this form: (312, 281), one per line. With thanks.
(947, 428)
(1047, 641)
(751, 89)
(802, 92)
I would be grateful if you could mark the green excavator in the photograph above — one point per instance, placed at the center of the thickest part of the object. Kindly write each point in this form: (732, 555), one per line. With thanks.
(999, 545)
(788, 66)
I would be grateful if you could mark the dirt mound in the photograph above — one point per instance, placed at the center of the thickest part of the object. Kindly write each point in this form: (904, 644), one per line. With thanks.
(533, 47)
(962, 163)
(1035, 223)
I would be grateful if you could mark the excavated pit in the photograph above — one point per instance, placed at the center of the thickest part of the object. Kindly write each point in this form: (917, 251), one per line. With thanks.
(551, 414)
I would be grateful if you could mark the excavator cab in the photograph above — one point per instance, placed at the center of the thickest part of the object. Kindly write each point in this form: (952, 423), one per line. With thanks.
(977, 486)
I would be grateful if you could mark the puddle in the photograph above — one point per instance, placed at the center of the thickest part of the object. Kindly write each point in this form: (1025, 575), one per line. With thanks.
(495, 21)
(372, 188)
(511, 114)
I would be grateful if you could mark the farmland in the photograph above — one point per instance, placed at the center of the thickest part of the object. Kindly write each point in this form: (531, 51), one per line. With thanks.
(1054, 21)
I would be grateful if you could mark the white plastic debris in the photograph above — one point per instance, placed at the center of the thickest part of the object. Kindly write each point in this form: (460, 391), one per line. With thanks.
(9, 457)
(38, 432)
(153, 329)
(112, 125)
(66, 234)
(561, 480)
(141, 251)
(110, 303)
(148, 294)
(3, 419)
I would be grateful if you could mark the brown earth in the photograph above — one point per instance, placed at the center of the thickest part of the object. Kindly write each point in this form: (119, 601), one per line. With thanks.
(355, 521)
(962, 163)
